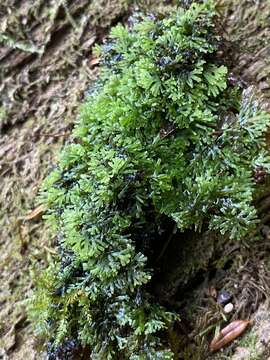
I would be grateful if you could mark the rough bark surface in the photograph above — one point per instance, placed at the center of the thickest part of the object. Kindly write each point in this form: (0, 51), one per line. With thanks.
(247, 26)
(46, 65)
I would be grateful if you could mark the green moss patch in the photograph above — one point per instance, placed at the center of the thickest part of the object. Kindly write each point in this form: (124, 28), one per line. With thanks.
(163, 141)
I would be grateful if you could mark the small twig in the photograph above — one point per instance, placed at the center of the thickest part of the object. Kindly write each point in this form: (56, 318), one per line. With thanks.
(69, 16)
(217, 133)
(49, 250)
(208, 329)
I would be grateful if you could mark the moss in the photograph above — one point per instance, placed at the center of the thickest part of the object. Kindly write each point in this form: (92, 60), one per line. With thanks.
(157, 150)
(249, 342)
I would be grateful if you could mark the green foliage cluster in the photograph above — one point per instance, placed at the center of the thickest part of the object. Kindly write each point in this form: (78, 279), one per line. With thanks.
(161, 136)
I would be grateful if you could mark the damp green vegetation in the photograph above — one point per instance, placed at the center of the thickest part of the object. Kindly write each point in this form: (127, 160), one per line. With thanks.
(162, 139)
(249, 342)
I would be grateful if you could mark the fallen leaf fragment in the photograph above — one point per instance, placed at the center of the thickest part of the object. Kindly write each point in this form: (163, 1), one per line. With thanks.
(35, 213)
(94, 61)
(228, 334)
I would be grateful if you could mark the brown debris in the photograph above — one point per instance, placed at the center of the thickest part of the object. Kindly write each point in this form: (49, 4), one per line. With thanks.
(228, 334)
(247, 28)
(94, 62)
(35, 213)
